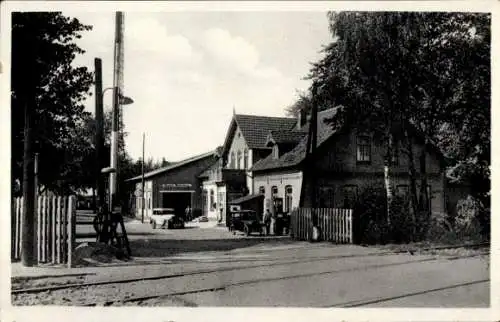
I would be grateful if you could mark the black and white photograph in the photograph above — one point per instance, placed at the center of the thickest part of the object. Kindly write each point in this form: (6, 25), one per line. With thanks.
(252, 156)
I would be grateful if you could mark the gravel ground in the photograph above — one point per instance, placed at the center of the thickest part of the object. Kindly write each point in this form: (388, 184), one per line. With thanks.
(242, 276)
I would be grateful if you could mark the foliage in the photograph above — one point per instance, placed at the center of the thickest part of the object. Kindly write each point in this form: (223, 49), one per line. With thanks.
(392, 72)
(44, 79)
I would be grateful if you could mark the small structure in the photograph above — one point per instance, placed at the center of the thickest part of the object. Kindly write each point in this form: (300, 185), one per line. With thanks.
(250, 202)
(176, 186)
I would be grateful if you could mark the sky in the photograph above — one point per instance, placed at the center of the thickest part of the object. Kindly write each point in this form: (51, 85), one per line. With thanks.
(187, 71)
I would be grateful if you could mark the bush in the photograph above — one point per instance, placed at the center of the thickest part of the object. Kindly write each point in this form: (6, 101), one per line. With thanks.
(370, 215)
(470, 214)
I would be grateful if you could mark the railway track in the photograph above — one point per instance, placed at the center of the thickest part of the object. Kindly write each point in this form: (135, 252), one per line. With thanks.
(284, 261)
(222, 286)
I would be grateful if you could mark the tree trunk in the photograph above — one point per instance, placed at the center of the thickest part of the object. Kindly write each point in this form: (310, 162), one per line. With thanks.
(413, 181)
(424, 193)
(28, 251)
(387, 176)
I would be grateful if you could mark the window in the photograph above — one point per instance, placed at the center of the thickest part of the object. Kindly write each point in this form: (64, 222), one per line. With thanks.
(262, 190)
(350, 195)
(274, 191)
(231, 164)
(363, 149)
(245, 159)
(288, 198)
(238, 164)
(325, 197)
(212, 200)
(221, 199)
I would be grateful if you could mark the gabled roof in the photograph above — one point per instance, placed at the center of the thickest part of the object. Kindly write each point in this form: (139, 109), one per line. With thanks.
(255, 129)
(285, 137)
(173, 166)
(298, 154)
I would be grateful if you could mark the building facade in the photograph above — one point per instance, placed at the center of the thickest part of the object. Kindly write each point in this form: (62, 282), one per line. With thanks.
(346, 161)
(176, 186)
(231, 177)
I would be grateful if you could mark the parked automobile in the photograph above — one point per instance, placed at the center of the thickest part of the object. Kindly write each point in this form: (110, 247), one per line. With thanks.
(247, 221)
(165, 218)
(203, 219)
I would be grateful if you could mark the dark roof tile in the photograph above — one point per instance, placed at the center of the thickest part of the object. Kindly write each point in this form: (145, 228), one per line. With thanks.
(297, 154)
(256, 128)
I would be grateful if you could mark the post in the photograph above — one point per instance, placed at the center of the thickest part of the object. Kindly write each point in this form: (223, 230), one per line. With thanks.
(28, 215)
(142, 178)
(99, 135)
(117, 69)
(71, 229)
(313, 128)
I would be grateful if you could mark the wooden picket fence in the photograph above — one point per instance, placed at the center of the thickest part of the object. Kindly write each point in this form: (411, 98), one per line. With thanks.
(335, 224)
(55, 228)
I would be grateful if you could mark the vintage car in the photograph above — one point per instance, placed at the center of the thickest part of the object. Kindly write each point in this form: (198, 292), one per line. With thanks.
(247, 221)
(165, 218)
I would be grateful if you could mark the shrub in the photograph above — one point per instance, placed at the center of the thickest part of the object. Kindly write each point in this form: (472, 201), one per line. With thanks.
(370, 215)
(467, 222)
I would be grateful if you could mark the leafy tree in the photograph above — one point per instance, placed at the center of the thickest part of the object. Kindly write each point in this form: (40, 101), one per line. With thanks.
(400, 73)
(44, 81)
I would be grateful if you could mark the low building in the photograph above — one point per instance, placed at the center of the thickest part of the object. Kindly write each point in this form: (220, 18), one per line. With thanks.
(175, 186)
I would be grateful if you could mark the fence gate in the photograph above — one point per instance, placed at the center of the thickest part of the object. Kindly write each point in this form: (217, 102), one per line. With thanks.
(55, 228)
(335, 224)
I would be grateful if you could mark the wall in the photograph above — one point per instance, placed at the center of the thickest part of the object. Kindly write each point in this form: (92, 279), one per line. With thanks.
(186, 174)
(281, 179)
(148, 199)
(337, 161)
(339, 155)
(334, 188)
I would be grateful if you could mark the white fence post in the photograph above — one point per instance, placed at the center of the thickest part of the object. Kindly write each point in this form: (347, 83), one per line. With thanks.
(71, 215)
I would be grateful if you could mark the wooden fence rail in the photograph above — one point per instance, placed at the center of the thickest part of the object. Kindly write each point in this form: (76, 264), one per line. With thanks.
(55, 220)
(335, 224)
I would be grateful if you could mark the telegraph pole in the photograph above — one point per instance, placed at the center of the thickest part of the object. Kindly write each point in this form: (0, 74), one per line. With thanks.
(99, 135)
(117, 85)
(313, 133)
(142, 179)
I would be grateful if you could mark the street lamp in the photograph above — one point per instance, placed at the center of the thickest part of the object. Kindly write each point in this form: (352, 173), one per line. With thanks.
(118, 100)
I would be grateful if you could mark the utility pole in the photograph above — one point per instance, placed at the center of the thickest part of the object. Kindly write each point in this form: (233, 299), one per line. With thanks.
(117, 85)
(313, 129)
(28, 245)
(99, 135)
(142, 179)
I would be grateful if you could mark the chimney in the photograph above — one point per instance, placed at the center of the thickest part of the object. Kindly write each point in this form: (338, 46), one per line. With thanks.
(301, 118)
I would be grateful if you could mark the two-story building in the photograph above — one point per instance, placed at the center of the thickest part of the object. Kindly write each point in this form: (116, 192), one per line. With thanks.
(346, 159)
(231, 176)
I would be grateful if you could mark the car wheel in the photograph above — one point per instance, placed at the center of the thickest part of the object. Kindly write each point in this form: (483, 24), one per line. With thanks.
(153, 224)
(247, 230)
